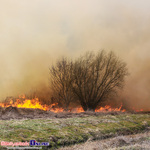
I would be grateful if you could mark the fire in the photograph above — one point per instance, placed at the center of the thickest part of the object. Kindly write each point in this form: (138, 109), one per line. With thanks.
(108, 108)
(23, 102)
(101, 109)
(34, 103)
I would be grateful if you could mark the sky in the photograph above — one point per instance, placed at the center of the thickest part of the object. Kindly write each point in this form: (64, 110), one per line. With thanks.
(35, 33)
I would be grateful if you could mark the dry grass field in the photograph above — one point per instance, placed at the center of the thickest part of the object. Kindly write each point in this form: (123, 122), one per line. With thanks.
(95, 130)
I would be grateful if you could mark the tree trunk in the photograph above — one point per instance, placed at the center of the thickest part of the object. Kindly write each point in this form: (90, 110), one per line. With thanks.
(88, 107)
(91, 109)
(66, 107)
(84, 106)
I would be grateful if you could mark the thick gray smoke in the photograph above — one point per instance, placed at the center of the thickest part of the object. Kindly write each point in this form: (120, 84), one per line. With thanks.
(34, 33)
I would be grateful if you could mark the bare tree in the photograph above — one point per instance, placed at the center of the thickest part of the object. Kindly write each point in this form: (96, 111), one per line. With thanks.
(91, 79)
(95, 77)
(61, 82)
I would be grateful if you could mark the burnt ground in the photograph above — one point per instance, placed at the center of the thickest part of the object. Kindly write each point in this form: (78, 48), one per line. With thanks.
(21, 113)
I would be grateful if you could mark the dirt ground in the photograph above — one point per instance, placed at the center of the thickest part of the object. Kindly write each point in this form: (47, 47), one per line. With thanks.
(129, 142)
(21, 113)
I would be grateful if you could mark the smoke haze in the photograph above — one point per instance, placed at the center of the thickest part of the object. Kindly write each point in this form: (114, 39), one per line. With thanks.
(34, 34)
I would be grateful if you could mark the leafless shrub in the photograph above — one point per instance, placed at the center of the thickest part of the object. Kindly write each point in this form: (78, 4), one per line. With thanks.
(89, 79)
(61, 82)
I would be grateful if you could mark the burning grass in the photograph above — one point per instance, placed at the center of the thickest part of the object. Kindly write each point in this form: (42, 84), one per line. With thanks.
(23, 102)
(34, 103)
(66, 131)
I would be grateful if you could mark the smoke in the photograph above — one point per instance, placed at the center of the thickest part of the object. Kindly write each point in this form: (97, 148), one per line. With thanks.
(34, 34)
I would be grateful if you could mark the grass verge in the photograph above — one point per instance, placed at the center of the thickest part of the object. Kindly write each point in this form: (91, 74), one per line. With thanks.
(68, 131)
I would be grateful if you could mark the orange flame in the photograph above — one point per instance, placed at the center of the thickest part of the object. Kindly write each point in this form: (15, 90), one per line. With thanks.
(22, 102)
(108, 108)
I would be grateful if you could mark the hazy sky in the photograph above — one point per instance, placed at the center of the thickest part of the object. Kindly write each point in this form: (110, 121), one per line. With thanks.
(34, 33)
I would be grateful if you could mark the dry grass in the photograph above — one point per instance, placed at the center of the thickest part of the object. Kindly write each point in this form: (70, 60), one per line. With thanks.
(72, 130)
(129, 142)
